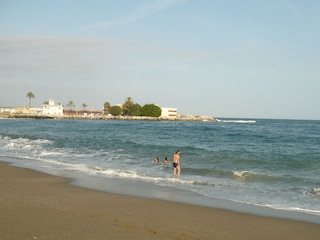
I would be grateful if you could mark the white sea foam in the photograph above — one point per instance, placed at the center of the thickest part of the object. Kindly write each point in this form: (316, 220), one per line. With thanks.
(24, 143)
(237, 121)
(243, 174)
(315, 192)
(49, 153)
(125, 174)
(294, 209)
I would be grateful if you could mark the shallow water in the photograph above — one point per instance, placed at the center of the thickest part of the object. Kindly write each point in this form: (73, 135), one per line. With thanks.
(267, 163)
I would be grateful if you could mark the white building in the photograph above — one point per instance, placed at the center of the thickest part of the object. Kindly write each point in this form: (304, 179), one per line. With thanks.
(168, 113)
(7, 110)
(52, 109)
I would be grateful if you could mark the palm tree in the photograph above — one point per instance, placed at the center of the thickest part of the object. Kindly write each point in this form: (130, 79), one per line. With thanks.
(71, 104)
(106, 107)
(127, 106)
(30, 95)
(84, 105)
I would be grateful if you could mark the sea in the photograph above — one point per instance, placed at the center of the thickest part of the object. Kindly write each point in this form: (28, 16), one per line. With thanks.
(265, 167)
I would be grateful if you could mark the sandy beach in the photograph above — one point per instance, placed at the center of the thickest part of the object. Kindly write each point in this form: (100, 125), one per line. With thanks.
(34, 205)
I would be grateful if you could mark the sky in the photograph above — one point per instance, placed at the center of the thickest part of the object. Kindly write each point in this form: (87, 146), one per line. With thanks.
(218, 58)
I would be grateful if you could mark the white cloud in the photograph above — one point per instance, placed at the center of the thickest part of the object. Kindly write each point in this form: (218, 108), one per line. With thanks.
(66, 55)
(55, 53)
(147, 9)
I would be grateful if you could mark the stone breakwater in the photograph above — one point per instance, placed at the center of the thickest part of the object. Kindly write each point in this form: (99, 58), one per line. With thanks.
(103, 117)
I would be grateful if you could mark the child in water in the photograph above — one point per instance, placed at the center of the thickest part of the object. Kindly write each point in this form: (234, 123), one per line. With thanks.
(166, 160)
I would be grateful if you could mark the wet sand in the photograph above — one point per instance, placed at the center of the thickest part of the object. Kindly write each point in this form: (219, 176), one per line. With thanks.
(34, 205)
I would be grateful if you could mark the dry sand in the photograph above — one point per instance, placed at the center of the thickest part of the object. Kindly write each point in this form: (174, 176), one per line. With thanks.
(39, 206)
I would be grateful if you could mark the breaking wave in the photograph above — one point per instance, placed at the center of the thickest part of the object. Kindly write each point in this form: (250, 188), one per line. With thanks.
(237, 121)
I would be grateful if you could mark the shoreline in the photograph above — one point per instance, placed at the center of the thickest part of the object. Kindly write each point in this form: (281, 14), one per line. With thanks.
(36, 205)
(149, 190)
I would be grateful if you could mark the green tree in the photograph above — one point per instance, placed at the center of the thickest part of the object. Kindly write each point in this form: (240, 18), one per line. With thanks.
(30, 95)
(71, 104)
(115, 110)
(84, 105)
(106, 107)
(135, 110)
(151, 110)
(127, 107)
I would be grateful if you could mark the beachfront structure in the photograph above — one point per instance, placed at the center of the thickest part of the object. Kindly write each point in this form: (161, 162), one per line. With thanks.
(52, 109)
(168, 113)
(83, 113)
(28, 111)
(7, 110)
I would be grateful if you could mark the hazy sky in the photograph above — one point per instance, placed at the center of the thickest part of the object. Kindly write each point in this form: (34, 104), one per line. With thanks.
(222, 58)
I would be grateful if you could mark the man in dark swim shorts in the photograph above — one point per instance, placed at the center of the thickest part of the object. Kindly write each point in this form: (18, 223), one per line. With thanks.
(176, 163)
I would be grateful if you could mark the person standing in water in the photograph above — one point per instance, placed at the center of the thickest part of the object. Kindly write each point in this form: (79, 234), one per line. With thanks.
(176, 163)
